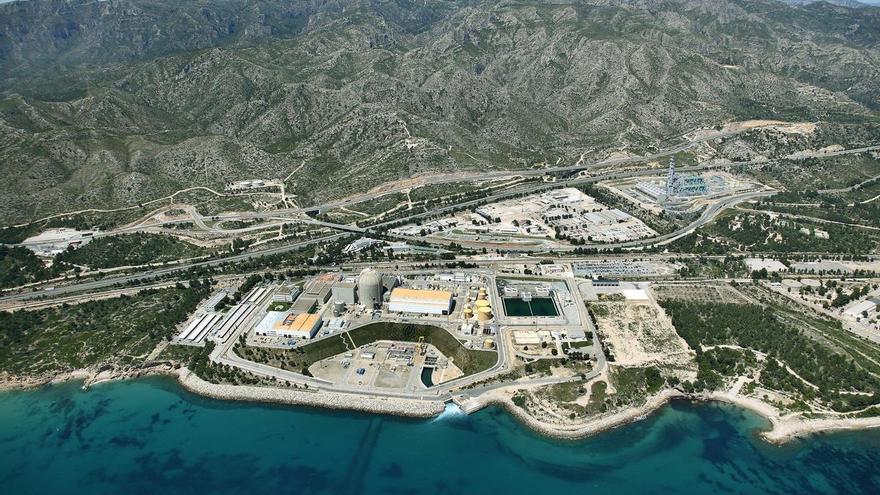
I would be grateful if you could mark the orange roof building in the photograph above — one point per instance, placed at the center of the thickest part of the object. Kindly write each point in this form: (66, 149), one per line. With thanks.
(300, 326)
(304, 326)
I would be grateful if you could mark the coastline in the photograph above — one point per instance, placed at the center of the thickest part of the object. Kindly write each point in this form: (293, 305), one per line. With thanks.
(316, 398)
(583, 430)
(188, 380)
(787, 428)
(783, 429)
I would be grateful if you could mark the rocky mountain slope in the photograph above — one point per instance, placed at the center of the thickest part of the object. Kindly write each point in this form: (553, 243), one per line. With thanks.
(106, 104)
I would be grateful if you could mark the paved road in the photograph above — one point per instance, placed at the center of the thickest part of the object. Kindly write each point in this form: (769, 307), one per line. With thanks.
(223, 354)
(707, 215)
(289, 214)
(123, 279)
(14, 305)
(148, 274)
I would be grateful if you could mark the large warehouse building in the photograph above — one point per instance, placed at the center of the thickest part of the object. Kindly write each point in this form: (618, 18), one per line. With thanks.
(436, 302)
(281, 324)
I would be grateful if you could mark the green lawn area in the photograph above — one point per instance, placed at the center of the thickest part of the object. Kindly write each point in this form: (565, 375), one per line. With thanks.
(322, 349)
(300, 358)
(468, 360)
(280, 306)
(566, 392)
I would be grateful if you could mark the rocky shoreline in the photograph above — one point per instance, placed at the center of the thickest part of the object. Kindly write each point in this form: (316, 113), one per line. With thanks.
(786, 428)
(582, 430)
(316, 398)
(783, 428)
(88, 376)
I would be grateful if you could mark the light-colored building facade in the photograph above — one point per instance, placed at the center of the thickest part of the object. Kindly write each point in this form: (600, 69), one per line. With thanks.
(345, 292)
(288, 325)
(437, 302)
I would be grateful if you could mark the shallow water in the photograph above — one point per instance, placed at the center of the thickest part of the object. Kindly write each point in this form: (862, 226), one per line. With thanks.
(150, 436)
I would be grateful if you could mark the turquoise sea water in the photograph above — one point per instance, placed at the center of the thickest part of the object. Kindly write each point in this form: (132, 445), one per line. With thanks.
(150, 436)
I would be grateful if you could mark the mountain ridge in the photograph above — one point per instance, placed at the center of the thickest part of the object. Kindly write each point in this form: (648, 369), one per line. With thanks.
(370, 91)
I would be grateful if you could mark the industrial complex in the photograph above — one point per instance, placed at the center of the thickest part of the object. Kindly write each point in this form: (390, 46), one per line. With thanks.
(497, 316)
(552, 296)
(679, 192)
(550, 217)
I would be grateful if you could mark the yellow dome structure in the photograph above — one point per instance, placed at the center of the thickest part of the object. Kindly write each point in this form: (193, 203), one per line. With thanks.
(483, 303)
(482, 293)
(484, 313)
(489, 344)
(468, 313)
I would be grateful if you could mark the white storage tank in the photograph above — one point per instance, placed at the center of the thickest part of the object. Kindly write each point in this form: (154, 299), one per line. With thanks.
(338, 308)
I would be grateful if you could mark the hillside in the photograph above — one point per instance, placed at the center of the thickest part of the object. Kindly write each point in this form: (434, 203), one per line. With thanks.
(107, 104)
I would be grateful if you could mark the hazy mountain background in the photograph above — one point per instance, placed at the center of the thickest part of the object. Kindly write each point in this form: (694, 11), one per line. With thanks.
(110, 103)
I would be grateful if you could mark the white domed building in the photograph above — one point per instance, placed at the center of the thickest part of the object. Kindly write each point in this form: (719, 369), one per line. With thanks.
(370, 288)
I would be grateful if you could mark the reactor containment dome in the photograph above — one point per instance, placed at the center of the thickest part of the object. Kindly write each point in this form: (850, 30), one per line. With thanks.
(370, 288)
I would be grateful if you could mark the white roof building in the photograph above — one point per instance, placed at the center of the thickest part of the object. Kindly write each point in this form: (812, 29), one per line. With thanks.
(282, 324)
(438, 302)
(856, 310)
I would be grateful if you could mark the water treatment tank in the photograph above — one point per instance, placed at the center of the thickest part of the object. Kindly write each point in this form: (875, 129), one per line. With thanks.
(370, 288)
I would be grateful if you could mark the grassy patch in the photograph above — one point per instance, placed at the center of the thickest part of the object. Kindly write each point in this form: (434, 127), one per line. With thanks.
(19, 266)
(468, 360)
(298, 359)
(566, 392)
(750, 231)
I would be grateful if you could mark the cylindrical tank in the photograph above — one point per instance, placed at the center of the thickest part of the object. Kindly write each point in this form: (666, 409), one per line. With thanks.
(468, 313)
(338, 308)
(482, 303)
(370, 288)
(489, 344)
(481, 294)
(484, 313)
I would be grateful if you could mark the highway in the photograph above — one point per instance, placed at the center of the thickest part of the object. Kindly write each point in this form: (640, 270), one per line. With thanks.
(400, 266)
(149, 274)
(13, 305)
(294, 214)
(706, 217)
(124, 279)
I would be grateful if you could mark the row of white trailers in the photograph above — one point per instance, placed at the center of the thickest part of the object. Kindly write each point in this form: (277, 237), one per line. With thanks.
(203, 325)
